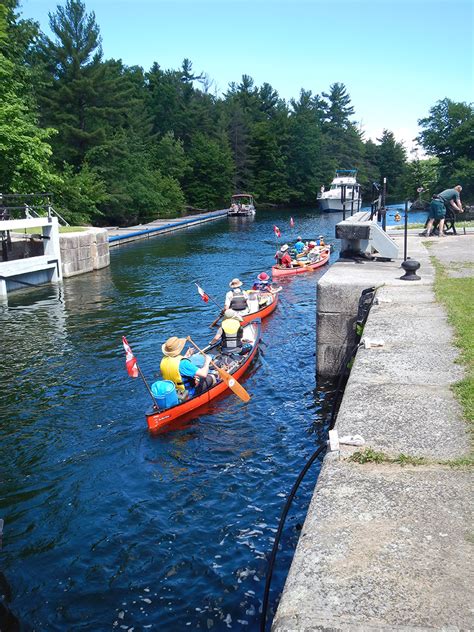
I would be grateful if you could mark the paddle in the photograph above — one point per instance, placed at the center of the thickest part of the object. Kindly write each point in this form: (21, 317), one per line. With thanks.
(214, 322)
(231, 382)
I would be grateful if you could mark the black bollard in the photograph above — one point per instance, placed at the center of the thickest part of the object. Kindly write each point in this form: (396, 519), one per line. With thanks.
(410, 266)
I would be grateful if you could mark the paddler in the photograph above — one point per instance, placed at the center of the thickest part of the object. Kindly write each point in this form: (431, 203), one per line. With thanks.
(300, 246)
(283, 257)
(190, 380)
(230, 332)
(235, 298)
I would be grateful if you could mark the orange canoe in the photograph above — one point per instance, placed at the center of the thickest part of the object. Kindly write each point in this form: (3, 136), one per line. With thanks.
(262, 313)
(235, 364)
(307, 267)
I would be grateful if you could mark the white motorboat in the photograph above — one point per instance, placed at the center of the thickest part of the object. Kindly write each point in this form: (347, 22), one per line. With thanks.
(343, 194)
(241, 205)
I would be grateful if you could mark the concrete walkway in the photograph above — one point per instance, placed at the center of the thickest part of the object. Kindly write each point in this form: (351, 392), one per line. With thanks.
(127, 234)
(386, 546)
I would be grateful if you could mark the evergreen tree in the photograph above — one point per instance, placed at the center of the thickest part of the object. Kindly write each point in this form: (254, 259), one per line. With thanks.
(209, 185)
(72, 66)
(392, 160)
(342, 139)
(306, 170)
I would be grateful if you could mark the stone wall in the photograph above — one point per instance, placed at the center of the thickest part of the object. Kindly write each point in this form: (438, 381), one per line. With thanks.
(84, 251)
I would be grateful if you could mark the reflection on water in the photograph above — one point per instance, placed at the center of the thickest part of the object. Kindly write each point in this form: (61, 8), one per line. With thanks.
(107, 526)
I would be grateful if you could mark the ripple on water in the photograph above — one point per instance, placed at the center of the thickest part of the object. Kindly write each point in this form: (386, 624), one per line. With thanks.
(107, 527)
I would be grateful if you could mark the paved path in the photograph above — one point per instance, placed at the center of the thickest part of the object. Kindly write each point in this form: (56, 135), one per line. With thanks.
(386, 546)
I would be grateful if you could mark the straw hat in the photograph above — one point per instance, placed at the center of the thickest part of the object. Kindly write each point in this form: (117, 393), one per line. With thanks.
(235, 283)
(284, 248)
(173, 346)
(230, 313)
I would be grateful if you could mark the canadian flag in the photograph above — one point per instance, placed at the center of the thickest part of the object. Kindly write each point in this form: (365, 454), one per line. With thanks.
(202, 294)
(292, 222)
(130, 360)
(277, 232)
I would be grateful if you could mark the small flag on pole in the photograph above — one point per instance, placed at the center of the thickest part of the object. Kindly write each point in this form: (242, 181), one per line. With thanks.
(202, 294)
(130, 360)
(292, 222)
(277, 232)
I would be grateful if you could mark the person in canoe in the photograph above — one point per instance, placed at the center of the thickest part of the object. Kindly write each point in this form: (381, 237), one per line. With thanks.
(262, 283)
(235, 299)
(263, 289)
(283, 257)
(190, 380)
(299, 247)
(230, 333)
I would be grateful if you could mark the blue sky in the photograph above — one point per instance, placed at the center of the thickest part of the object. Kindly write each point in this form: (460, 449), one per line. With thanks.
(397, 59)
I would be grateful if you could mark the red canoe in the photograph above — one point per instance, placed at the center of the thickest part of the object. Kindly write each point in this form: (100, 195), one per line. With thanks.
(262, 313)
(307, 267)
(162, 420)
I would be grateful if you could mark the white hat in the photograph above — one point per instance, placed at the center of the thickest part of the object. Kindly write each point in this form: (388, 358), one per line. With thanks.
(235, 283)
(230, 313)
(284, 248)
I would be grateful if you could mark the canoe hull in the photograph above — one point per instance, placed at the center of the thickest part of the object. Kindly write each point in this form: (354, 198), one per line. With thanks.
(280, 272)
(262, 313)
(160, 421)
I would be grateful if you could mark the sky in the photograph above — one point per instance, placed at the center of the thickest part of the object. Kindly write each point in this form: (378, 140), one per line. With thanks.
(396, 58)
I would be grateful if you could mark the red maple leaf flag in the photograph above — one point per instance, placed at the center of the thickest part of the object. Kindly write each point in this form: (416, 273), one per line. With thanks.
(130, 360)
(292, 222)
(202, 294)
(277, 232)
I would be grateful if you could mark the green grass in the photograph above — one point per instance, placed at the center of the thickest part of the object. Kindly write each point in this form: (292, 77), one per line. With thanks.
(369, 455)
(456, 294)
(62, 229)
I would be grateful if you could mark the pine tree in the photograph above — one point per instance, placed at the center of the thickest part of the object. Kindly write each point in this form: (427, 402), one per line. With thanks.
(70, 101)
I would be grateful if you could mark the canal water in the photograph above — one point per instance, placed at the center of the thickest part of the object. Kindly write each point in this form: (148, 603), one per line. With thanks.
(109, 528)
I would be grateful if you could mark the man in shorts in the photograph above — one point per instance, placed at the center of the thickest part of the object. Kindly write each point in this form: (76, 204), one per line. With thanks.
(440, 203)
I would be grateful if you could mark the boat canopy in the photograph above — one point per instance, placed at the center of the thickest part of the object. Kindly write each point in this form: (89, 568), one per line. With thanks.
(341, 173)
(239, 196)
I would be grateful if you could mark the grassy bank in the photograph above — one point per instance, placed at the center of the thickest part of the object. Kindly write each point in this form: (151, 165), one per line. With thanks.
(62, 229)
(456, 294)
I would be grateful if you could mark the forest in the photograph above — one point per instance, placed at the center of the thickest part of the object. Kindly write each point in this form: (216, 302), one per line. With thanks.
(120, 145)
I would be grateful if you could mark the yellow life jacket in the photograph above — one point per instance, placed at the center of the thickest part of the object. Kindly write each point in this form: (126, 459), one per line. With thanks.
(169, 368)
(232, 333)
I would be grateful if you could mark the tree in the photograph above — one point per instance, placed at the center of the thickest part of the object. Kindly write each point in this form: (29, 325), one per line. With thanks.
(210, 183)
(24, 147)
(392, 160)
(306, 162)
(448, 133)
(69, 100)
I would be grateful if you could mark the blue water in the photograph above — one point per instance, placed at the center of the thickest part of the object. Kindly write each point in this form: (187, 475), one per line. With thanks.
(109, 528)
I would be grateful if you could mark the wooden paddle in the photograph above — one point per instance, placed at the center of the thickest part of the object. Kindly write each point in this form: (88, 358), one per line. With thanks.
(214, 322)
(231, 382)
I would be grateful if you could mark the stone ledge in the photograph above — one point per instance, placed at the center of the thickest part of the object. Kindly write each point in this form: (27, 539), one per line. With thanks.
(382, 548)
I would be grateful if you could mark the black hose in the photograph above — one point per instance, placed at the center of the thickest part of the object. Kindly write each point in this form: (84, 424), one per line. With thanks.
(281, 524)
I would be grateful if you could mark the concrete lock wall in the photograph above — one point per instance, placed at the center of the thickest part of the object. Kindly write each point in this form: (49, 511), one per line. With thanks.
(84, 251)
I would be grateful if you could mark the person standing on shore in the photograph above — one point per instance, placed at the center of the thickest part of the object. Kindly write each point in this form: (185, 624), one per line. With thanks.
(452, 198)
(440, 203)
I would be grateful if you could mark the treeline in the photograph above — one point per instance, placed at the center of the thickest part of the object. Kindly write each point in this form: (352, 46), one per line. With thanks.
(118, 145)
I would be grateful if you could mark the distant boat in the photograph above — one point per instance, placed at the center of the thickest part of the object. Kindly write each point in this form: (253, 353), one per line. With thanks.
(343, 194)
(241, 205)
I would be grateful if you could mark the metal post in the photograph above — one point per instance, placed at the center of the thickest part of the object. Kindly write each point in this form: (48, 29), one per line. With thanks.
(384, 215)
(352, 200)
(405, 240)
(343, 200)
